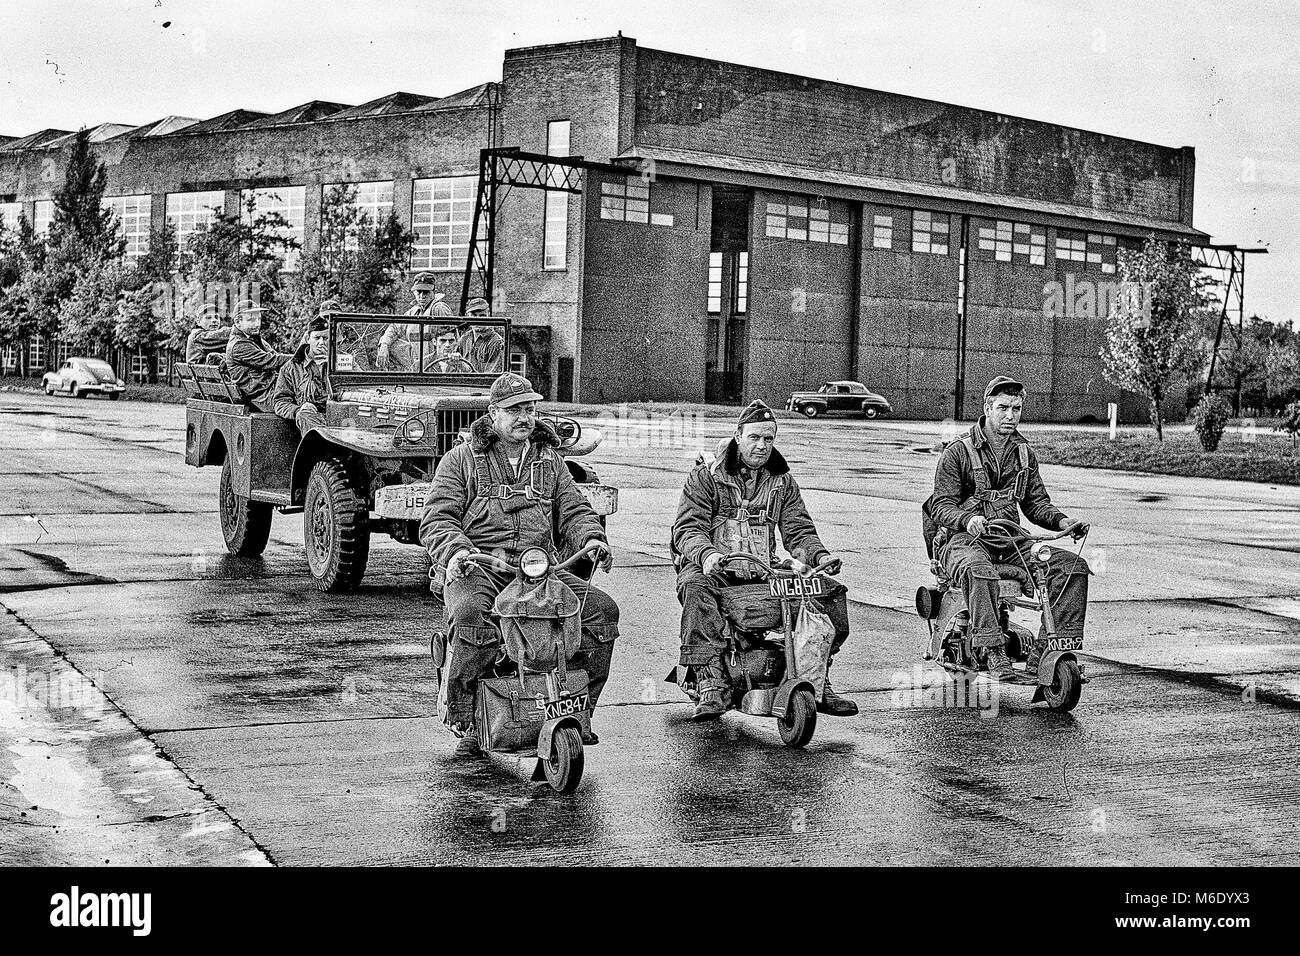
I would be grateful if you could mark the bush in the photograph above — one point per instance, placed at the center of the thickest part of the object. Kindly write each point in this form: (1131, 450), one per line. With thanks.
(1210, 418)
(1290, 422)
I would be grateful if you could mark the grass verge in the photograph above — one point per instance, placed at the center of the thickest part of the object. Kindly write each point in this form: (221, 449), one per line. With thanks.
(1264, 458)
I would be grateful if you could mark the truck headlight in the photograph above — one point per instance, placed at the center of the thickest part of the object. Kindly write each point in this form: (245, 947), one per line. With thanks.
(534, 563)
(413, 430)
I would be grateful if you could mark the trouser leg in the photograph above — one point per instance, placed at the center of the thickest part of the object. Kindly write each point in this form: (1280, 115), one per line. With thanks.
(835, 605)
(473, 642)
(599, 631)
(968, 564)
(702, 624)
(1067, 585)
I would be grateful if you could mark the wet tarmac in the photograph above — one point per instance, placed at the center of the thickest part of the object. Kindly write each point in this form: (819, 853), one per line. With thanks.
(304, 721)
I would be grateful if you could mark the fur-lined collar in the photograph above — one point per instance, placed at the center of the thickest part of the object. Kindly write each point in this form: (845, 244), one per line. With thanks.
(727, 459)
(482, 436)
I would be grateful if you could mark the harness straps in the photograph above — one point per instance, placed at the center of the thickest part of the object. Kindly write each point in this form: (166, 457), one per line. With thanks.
(984, 492)
(532, 487)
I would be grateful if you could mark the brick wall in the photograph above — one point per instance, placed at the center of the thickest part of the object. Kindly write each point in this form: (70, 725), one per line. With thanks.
(690, 103)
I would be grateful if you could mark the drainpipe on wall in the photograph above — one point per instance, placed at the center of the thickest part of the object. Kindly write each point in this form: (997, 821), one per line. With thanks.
(958, 410)
(855, 290)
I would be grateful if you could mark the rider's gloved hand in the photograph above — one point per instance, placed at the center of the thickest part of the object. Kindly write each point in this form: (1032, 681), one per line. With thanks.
(977, 525)
(713, 562)
(456, 567)
(603, 555)
(833, 566)
(1076, 526)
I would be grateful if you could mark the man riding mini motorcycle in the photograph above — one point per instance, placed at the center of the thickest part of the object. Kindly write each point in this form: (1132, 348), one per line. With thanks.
(734, 503)
(991, 473)
(502, 492)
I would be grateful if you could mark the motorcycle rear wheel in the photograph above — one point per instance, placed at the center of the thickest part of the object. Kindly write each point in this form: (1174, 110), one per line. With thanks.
(563, 767)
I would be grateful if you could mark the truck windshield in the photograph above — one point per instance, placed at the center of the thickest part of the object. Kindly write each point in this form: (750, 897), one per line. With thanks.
(447, 346)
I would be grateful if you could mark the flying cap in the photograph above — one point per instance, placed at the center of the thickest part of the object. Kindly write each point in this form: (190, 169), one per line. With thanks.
(1001, 383)
(510, 389)
(755, 411)
(424, 280)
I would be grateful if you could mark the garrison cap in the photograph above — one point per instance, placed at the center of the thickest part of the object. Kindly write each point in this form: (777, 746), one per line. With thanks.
(755, 411)
(248, 308)
(510, 389)
(318, 324)
(1001, 383)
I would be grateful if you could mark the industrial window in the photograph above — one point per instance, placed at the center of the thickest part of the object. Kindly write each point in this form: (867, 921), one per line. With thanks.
(62, 352)
(442, 211)
(1014, 242)
(555, 239)
(519, 363)
(10, 213)
(742, 282)
(139, 366)
(10, 358)
(289, 202)
(1071, 246)
(190, 212)
(794, 217)
(374, 202)
(35, 353)
(715, 282)
(1101, 251)
(882, 232)
(627, 201)
(132, 214)
(930, 232)
(43, 216)
(997, 240)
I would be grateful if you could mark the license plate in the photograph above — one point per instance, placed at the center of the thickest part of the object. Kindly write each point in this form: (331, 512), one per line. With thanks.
(565, 706)
(796, 587)
(402, 501)
(1065, 644)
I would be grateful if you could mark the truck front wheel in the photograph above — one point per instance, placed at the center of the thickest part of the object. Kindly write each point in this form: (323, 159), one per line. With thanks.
(245, 524)
(336, 526)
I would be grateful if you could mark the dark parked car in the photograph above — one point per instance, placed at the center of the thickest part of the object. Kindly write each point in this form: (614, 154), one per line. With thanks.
(839, 397)
(82, 377)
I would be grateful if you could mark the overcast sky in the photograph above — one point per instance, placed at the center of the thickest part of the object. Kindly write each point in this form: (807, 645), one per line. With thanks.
(1222, 77)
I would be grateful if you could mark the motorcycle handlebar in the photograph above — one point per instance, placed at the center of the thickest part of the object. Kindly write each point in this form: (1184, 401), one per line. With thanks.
(783, 569)
(1013, 531)
(491, 560)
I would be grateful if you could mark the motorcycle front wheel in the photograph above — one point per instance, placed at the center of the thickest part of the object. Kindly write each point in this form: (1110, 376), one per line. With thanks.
(800, 721)
(1067, 685)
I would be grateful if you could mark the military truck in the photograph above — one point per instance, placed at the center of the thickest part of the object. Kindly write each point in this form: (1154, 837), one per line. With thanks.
(390, 417)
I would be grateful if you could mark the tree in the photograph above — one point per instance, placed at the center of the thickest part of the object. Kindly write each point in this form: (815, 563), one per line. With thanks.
(1282, 366)
(357, 262)
(1153, 334)
(79, 213)
(88, 318)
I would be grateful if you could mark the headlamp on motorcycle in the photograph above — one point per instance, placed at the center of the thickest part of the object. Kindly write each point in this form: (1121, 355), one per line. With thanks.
(413, 430)
(1042, 553)
(534, 563)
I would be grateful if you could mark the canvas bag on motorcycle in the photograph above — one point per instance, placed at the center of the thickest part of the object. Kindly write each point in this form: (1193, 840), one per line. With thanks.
(813, 636)
(538, 618)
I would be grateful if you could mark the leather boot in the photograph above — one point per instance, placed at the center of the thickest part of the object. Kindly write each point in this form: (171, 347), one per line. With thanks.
(998, 664)
(832, 704)
(714, 693)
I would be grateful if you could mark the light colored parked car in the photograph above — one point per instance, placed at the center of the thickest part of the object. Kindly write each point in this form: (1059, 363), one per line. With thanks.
(81, 377)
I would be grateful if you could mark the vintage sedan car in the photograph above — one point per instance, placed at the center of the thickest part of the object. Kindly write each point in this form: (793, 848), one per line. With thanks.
(839, 397)
(82, 377)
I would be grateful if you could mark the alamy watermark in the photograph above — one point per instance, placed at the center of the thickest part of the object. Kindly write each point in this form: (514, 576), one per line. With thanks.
(1088, 299)
(64, 689)
(938, 689)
